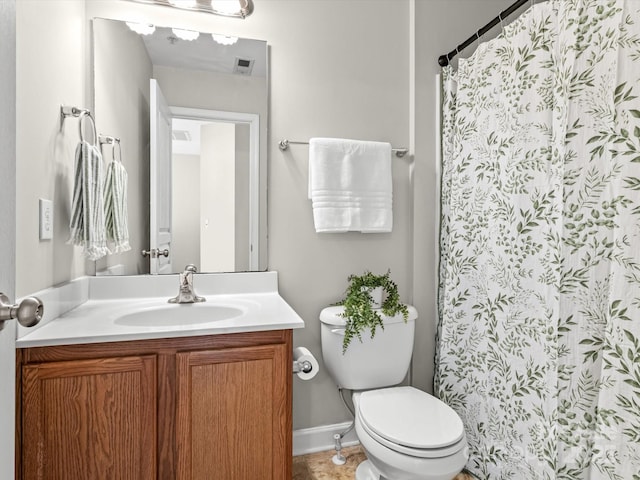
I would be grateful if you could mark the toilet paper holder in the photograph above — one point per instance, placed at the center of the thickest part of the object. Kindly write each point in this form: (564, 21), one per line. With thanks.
(302, 366)
(305, 365)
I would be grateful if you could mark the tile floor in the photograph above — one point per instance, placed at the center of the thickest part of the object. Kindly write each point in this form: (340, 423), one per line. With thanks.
(318, 466)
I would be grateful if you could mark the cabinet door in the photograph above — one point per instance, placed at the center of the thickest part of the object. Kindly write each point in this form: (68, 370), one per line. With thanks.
(90, 419)
(234, 414)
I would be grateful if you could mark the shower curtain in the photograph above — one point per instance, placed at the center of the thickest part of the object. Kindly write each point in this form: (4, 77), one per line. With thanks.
(538, 344)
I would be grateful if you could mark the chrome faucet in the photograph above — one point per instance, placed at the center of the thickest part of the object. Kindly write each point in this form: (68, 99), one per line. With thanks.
(186, 294)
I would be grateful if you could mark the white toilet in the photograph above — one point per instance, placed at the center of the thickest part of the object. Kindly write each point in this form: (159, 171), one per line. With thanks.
(407, 434)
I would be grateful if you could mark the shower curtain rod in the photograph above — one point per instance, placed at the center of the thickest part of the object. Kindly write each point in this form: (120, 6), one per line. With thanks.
(443, 60)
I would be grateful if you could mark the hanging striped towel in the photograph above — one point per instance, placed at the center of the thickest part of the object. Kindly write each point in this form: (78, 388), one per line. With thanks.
(115, 207)
(87, 209)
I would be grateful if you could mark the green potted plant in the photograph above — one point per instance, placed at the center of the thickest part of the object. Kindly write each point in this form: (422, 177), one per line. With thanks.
(360, 309)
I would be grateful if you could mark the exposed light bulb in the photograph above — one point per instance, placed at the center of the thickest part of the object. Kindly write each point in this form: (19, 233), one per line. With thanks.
(141, 28)
(224, 39)
(185, 34)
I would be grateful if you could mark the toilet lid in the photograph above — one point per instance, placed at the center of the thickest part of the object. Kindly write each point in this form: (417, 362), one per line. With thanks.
(409, 417)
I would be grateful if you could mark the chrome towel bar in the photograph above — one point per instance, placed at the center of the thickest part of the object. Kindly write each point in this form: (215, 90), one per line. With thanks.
(284, 145)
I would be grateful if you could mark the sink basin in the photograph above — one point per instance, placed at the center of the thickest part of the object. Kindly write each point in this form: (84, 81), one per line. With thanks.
(179, 314)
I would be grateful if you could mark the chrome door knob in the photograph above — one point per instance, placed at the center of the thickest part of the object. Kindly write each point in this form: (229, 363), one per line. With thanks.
(28, 312)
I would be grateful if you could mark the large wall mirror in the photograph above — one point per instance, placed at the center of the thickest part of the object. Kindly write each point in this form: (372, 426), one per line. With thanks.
(190, 111)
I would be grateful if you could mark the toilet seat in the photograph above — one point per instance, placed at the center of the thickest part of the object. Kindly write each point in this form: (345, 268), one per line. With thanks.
(411, 422)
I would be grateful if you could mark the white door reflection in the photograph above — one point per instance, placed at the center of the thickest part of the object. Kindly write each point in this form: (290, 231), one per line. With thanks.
(211, 174)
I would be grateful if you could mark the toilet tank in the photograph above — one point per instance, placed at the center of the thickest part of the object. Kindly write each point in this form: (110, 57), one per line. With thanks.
(373, 363)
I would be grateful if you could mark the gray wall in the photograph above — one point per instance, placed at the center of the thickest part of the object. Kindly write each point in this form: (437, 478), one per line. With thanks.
(352, 68)
(439, 26)
(50, 70)
(185, 198)
(338, 70)
(121, 73)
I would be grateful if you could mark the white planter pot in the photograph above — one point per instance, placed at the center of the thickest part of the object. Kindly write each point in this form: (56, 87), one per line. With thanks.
(376, 295)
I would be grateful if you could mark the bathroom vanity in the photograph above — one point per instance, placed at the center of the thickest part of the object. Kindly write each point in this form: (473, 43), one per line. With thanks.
(214, 406)
(200, 402)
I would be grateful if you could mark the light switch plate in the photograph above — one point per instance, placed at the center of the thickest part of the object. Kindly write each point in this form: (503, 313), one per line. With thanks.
(46, 219)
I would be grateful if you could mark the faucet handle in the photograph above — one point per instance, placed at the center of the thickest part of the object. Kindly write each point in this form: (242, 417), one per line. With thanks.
(191, 268)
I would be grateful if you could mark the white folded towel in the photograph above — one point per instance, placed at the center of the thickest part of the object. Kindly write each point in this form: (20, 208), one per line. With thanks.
(87, 209)
(115, 207)
(350, 185)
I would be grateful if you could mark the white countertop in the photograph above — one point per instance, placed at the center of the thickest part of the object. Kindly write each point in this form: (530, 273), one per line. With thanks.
(96, 316)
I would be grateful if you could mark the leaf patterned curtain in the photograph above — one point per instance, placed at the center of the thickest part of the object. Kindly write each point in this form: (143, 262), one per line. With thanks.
(539, 334)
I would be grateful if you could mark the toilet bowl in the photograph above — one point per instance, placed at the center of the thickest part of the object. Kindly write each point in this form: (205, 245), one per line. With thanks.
(408, 434)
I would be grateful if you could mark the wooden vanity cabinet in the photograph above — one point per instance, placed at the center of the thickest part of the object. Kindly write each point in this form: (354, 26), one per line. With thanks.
(208, 407)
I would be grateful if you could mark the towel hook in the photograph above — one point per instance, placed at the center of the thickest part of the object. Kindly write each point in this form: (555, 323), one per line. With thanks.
(67, 111)
(108, 139)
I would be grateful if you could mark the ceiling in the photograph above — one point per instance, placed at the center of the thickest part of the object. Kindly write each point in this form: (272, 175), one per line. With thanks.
(166, 49)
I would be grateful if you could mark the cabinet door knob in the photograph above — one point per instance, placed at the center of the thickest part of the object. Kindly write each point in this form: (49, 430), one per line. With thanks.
(28, 312)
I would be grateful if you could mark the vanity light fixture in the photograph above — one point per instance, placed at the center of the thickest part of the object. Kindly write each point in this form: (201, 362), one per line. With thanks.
(230, 8)
(141, 28)
(227, 8)
(185, 34)
(224, 39)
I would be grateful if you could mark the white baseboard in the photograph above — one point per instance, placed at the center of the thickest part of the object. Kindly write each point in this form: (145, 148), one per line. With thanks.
(320, 439)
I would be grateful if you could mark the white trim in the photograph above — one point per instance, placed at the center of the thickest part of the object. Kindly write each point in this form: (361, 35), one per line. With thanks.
(253, 120)
(320, 439)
